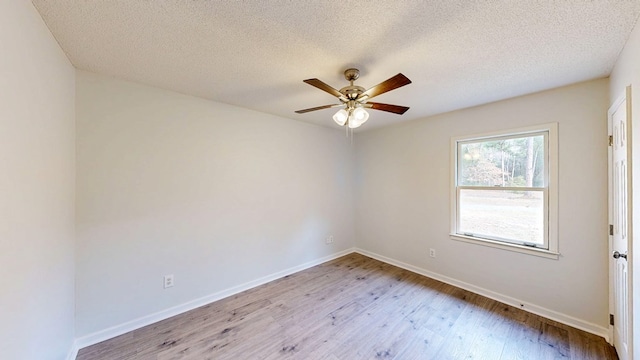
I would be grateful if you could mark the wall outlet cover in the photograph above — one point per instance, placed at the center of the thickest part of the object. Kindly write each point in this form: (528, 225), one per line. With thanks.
(168, 281)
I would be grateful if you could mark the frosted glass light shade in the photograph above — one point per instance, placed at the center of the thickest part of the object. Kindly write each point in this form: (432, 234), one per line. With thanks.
(358, 117)
(341, 117)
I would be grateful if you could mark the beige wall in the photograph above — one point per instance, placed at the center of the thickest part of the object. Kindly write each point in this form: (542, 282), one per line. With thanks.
(37, 167)
(627, 72)
(217, 195)
(402, 202)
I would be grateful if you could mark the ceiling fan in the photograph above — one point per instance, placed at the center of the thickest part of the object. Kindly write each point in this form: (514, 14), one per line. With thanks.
(355, 98)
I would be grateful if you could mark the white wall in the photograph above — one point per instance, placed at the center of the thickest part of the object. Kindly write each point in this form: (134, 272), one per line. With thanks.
(214, 194)
(402, 201)
(627, 72)
(37, 165)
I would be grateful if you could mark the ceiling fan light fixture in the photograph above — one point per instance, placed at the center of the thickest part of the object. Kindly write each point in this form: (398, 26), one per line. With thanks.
(361, 115)
(358, 117)
(341, 117)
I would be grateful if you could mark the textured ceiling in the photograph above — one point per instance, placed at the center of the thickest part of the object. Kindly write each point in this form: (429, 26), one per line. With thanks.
(255, 53)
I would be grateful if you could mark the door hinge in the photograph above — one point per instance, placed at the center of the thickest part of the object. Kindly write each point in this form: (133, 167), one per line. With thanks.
(610, 229)
(610, 140)
(611, 319)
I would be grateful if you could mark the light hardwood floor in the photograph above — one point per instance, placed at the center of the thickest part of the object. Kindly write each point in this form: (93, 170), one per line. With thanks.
(354, 308)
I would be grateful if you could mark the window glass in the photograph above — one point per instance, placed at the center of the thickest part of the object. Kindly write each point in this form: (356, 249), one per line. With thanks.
(504, 162)
(505, 215)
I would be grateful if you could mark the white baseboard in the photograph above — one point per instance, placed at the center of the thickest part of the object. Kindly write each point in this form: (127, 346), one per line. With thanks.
(532, 308)
(124, 328)
(73, 352)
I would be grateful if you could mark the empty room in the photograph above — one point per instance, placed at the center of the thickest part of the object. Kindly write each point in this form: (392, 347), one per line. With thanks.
(329, 180)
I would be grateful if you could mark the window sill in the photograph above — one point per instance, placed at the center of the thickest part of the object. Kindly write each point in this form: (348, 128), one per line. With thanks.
(505, 246)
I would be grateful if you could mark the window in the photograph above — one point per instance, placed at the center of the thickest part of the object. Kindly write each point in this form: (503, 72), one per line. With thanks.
(504, 191)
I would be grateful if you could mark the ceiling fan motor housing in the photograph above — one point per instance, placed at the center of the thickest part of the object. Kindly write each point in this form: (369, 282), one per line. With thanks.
(352, 91)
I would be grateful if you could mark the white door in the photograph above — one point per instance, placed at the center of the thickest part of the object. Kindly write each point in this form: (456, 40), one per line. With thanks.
(619, 218)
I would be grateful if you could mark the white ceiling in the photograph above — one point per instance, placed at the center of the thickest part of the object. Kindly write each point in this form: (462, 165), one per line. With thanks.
(255, 53)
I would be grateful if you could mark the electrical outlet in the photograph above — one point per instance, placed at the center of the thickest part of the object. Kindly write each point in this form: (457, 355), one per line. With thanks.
(168, 281)
(329, 239)
(432, 253)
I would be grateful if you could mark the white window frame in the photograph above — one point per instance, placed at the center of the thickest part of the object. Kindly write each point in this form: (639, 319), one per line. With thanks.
(550, 191)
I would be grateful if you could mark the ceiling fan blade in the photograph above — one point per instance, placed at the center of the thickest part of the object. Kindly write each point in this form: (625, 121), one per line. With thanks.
(318, 108)
(396, 109)
(387, 85)
(324, 87)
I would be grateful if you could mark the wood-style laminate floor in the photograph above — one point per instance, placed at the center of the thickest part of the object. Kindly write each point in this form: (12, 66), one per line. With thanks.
(354, 308)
